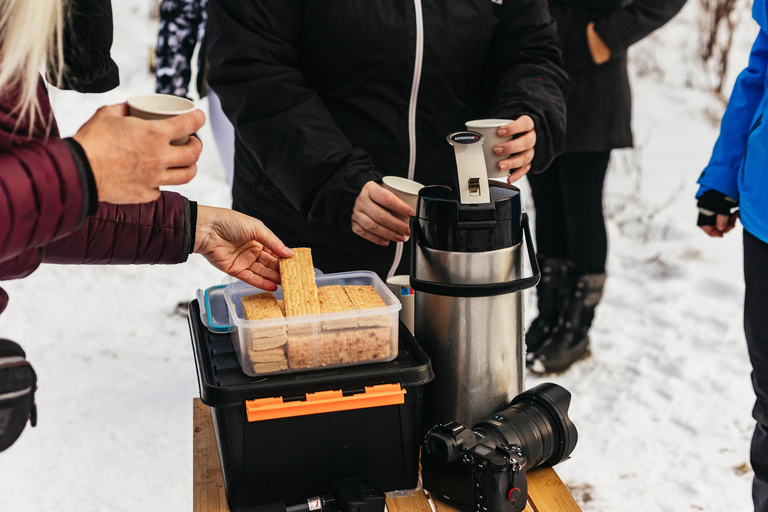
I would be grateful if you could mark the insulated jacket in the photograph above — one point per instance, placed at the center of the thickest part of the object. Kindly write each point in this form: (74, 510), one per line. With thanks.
(49, 210)
(600, 103)
(326, 95)
(739, 164)
(88, 64)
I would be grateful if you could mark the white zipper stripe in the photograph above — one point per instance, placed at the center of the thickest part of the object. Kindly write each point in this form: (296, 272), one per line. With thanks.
(415, 87)
(412, 113)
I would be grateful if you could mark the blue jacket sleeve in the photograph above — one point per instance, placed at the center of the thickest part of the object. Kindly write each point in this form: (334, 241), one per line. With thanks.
(722, 172)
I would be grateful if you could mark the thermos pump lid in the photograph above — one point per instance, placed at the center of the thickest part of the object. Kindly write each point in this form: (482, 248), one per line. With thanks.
(447, 225)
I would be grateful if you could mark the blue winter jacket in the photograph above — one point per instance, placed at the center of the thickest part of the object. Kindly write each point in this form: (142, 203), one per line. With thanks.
(739, 164)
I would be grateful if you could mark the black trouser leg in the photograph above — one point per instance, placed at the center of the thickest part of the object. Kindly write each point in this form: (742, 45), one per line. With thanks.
(582, 186)
(569, 210)
(756, 330)
(551, 235)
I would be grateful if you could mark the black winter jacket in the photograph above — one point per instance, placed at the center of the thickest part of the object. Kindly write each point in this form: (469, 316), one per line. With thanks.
(600, 103)
(88, 64)
(326, 95)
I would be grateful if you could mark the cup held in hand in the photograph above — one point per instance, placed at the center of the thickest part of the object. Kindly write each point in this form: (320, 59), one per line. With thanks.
(487, 128)
(406, 190)
(153, 107)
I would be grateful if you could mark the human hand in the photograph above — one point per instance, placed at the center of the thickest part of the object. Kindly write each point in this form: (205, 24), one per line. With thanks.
(132, 158)
(239, 245)
(375, 215)
(717, 213)
(597, 47)
(520, 148)
(723, 224)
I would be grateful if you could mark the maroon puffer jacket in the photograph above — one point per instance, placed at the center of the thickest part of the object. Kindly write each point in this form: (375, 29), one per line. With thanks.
(49, 211)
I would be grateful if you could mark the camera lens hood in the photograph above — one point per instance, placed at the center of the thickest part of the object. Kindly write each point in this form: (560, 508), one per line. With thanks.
(555, 401)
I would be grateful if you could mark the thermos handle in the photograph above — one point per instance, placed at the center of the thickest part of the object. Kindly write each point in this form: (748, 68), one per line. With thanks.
(481, 290)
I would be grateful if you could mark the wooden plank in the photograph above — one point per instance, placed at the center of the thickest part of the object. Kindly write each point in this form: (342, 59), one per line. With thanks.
(546, 492)
(208, 492)
(415, 502)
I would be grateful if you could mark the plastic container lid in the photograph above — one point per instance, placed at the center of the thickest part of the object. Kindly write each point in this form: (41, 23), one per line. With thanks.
(301, 343)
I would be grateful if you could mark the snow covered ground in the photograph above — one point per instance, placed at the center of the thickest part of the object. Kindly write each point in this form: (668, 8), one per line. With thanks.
(663, 405)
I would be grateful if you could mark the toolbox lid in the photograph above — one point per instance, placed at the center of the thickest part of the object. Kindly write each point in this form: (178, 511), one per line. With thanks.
(222, 382)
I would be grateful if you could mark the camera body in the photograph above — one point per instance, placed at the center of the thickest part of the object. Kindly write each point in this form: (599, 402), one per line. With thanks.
(480, 475)
(483, 468)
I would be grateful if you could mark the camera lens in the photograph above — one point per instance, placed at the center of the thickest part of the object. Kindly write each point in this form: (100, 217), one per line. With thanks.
(537, 421)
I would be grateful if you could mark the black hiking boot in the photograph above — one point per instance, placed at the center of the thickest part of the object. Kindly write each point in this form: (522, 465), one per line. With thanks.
(582, 293)
(549, 298)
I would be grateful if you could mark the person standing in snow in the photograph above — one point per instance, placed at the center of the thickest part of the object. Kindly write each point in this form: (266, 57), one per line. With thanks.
(329, 97)
(733, 185)
(570, 229)
(95, 198)
(182, 27)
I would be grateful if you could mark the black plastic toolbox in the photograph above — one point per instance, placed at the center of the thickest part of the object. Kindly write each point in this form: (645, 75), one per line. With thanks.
(297, 457)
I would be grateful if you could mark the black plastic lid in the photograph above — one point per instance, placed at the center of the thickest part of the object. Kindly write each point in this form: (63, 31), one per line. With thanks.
(447, 225)
(222, 382)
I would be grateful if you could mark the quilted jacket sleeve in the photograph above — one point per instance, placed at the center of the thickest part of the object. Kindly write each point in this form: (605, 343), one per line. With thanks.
(43, 195)
(526, 75)
(254, 50)
(150, 233)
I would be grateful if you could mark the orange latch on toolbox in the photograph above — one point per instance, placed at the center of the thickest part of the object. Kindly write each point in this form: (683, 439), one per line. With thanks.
(324, 401)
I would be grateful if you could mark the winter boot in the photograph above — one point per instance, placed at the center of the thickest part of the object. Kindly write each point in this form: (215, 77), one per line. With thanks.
(549, 298)
(582, 293)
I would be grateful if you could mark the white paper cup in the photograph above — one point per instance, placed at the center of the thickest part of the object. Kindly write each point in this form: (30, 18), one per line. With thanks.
(487, 128)
(401, 287)
(153, 107)
(405, 189)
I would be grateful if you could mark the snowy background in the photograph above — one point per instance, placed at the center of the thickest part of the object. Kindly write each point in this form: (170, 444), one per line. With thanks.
(662, 407)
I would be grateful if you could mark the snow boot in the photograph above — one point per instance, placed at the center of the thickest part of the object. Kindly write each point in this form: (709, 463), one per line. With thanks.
(582, 293)
(549, 298)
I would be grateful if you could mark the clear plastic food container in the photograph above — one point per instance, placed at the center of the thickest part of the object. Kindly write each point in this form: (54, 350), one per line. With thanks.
(296, 343)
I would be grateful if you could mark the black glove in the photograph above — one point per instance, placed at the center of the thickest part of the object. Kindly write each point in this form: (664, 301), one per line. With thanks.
(17, 393)
(713, 203)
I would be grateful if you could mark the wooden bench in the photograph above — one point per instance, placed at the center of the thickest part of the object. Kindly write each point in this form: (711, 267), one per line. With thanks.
(546, 492)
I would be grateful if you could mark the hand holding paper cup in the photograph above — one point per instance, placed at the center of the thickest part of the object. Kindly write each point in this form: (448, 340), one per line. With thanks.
(406, 190)
(487, 128)
(131, 158)
(154, 107)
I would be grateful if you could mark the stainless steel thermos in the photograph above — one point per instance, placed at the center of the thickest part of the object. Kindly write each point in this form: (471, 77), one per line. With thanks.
(466, 268)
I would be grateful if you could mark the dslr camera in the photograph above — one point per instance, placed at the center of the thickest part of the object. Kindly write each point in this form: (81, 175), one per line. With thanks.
(482, 469)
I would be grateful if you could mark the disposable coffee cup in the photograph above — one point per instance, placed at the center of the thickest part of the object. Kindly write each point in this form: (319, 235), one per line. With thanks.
(487, 128)
(401, 287)
(405, 189)
(153, 107)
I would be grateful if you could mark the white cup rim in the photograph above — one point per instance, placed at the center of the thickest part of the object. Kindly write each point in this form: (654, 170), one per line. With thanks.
(401, 280)
(140, 102)
(403, 185)
(487, 123)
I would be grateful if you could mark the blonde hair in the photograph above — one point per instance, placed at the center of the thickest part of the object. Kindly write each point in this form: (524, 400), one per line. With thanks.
(31, 33)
